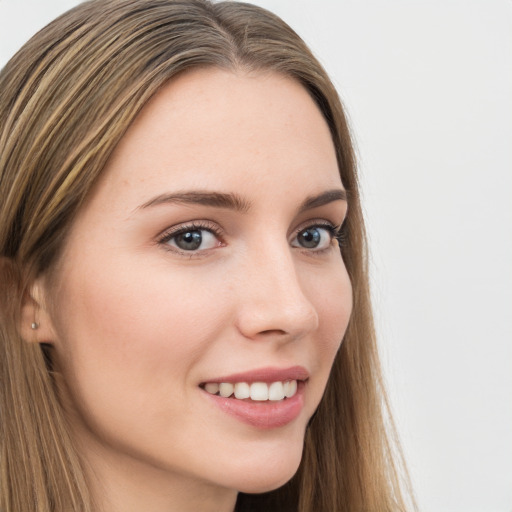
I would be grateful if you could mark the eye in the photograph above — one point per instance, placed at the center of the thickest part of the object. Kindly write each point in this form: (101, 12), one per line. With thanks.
(315, 237)
(191, 238)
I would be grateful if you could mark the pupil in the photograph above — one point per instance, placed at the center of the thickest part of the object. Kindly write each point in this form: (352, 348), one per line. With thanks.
(189, 241)
(310, 238)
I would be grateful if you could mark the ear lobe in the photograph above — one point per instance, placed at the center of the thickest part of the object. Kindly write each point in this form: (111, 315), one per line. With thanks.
(36, 325)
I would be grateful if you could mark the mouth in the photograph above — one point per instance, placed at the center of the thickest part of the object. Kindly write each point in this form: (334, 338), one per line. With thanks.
(265, 398)
(256, 391)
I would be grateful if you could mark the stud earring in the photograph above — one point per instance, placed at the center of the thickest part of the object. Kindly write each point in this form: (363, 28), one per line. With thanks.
(34, 325)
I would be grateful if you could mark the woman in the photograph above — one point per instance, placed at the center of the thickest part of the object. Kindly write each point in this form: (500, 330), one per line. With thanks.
(177, 180)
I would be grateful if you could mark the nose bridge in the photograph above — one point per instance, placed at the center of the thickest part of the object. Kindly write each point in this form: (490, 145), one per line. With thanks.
(274, 301)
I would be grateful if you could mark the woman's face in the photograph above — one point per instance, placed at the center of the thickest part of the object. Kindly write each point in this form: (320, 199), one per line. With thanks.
(205, 256)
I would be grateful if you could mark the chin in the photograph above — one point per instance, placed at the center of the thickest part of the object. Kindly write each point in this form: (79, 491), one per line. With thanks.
(268, 476)
(265, 486)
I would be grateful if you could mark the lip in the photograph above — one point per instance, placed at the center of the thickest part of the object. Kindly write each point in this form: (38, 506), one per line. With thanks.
(267, 414)
(267, 375)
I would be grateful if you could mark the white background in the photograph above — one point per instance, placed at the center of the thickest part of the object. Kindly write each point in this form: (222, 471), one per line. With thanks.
(428, 88)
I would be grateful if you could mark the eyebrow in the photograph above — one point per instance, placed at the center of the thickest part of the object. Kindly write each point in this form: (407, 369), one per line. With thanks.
(234, 202)
(324, 198)
(216, 199)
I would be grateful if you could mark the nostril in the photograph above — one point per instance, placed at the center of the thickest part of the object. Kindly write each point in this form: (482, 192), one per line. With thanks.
(273, 332)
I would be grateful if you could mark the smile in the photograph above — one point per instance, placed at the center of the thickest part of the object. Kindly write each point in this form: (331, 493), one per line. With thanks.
(266, 398)
(257, 391)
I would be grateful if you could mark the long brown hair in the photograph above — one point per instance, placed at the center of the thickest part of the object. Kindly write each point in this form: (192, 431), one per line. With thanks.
(66, 99)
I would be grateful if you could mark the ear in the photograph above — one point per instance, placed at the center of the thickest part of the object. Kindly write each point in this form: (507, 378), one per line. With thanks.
(36, 325)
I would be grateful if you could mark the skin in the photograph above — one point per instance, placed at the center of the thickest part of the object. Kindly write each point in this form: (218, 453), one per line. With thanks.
(138, 324)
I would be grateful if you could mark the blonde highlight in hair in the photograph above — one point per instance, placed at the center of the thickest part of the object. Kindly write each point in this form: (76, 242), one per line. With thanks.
(66, 99)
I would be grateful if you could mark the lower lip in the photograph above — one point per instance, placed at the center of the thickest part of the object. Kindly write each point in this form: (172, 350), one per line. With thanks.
(265, 414)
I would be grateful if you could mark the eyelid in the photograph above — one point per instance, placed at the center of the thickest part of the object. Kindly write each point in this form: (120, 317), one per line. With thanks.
(194, 225)
(333, 229)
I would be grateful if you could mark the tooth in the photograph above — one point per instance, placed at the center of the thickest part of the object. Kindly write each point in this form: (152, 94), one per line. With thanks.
(212, 387)
(259, 391)
(242, 390)
(290, 388)
(225, 389)
(276, 391)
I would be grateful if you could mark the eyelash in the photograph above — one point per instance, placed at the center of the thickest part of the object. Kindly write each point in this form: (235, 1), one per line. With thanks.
(335, 232)
(168, 235)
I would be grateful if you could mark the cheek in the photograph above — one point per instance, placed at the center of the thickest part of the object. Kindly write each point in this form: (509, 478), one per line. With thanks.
(333, 303)
(130, 300)
(127, 343)
(131, 330)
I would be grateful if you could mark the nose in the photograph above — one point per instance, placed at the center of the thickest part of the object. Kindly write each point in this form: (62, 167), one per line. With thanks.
(272, 301)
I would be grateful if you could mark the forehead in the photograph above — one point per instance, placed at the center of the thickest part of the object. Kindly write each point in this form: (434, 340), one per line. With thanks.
(212, 128)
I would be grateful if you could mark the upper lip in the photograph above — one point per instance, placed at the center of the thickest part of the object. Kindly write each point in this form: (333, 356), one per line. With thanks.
(269, 374)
